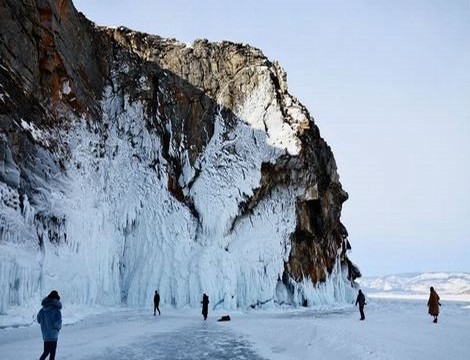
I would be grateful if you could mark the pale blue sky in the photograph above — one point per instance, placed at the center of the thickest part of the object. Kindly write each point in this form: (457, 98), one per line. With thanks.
(388, 83)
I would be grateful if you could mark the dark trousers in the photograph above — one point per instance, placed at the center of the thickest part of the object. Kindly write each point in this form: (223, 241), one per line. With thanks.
(49, 349)
(155, 309)
(361, 310)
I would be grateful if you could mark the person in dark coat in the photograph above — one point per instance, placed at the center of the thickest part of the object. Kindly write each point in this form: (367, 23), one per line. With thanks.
(361, 300)
(156, 303)
(433, 304)
(50, 319)
(205, 305)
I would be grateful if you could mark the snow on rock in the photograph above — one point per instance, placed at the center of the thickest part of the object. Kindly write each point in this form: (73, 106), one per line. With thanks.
(37, 134)
(182, 169)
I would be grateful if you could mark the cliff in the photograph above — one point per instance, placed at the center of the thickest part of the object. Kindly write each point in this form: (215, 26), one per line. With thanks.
(130, 162)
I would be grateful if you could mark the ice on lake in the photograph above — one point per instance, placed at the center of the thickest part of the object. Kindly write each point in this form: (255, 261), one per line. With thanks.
(394, 329)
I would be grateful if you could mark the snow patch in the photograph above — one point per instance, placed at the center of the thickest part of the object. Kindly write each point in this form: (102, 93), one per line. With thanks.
(65, 88)
(37, 134)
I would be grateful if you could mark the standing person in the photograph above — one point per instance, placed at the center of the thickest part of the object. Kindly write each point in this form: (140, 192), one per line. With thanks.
(156, 303)
(361, 300)
(50, 319)
(205, 305)
(433, 304)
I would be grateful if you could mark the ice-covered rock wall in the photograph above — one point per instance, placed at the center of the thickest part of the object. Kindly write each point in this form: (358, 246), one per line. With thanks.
(130, 163)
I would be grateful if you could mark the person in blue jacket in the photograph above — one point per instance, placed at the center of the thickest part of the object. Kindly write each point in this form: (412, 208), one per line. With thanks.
(50, 319)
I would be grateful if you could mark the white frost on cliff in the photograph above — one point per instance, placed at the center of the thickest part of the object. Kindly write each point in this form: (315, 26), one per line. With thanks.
(125, 235)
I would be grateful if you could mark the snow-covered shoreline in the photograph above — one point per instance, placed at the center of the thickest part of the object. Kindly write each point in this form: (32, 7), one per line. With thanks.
(451, 286)
(397, 296)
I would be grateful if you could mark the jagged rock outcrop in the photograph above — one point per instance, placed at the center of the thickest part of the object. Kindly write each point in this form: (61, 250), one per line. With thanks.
(129, 162)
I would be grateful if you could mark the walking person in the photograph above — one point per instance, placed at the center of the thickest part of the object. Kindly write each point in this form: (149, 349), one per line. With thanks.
(361, 300)
(205, 305)
(156, 303)
(433, 304)
(50, 319)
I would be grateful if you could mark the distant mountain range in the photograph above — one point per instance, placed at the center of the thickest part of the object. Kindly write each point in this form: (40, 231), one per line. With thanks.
(449, 285)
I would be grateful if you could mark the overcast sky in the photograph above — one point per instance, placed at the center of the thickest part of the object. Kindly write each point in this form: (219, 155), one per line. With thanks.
(388, 83)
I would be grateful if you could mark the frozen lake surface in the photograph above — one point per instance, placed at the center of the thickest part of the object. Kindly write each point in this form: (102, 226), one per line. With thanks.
(394, 329)
(206, 341)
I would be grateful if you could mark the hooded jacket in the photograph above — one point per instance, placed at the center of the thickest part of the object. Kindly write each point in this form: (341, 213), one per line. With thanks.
(50, 319)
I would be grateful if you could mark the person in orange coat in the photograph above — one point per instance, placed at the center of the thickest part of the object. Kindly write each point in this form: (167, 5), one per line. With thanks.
(433, 304)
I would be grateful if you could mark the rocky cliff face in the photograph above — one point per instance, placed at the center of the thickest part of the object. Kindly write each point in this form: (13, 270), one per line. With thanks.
(129, 162)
